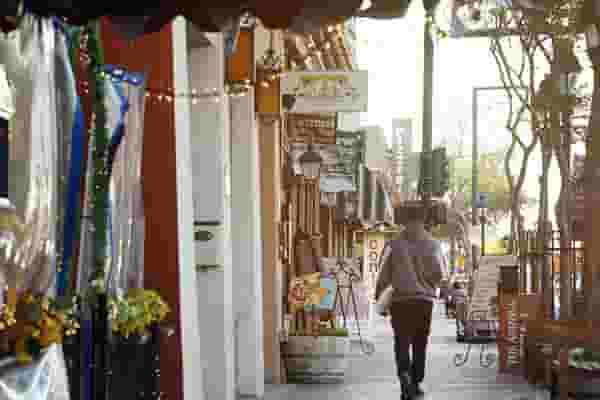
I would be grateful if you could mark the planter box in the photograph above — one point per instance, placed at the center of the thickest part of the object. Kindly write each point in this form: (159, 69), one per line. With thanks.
(323, 359)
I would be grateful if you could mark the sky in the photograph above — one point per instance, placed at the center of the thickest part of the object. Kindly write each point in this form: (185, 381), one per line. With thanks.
(392, 53)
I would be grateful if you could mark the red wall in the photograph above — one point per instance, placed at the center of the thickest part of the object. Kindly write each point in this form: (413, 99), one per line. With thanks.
(152, 54)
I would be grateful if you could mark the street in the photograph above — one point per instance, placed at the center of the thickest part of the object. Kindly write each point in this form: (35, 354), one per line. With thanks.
(374, 377)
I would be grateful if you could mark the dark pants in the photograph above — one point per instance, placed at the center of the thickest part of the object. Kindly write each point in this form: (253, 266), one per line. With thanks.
(411, 321)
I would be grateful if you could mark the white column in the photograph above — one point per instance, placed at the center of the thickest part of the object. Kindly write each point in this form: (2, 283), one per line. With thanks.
(211, 186)
(190, 332)
(247, 248)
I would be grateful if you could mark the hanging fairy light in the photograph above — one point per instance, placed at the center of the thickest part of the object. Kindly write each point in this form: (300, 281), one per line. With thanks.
(168, 95)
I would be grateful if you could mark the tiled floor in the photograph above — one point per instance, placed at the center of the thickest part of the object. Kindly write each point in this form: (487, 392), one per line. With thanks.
(373, 377)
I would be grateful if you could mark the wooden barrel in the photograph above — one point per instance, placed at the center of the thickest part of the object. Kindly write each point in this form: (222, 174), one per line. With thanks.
(322, 359)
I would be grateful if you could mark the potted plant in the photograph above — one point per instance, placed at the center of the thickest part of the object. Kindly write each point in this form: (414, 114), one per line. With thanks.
(317, 357)
(134, 320)
(33, 323)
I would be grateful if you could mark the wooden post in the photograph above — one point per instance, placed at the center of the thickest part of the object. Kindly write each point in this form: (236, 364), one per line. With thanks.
(316, 211)
(160, 186)
(302, 207)
(331, 234)
(592, 198)
(269, 146)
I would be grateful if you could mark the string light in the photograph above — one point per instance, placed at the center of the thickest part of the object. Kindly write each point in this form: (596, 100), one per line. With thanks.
(195, 95)
(168, 95)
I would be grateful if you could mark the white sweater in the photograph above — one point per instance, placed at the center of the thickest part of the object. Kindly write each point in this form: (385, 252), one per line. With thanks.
(413, 267)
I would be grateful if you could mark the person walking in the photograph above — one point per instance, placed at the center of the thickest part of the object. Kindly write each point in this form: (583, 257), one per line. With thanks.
(413, 265)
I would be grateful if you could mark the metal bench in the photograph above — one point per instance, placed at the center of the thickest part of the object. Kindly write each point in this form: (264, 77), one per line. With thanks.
(476, 329)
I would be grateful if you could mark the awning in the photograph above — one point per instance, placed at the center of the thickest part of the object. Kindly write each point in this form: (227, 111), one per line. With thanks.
(301, 16)
(386, 9)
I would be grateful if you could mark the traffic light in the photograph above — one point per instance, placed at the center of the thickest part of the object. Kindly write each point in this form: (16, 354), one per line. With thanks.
(440, 172)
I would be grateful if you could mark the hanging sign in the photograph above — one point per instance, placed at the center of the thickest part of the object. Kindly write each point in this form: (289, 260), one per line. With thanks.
(325, 92)
(374, 244)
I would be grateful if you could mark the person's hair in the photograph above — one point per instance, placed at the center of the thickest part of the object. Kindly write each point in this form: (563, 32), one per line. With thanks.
(408, 214)
(457, 285)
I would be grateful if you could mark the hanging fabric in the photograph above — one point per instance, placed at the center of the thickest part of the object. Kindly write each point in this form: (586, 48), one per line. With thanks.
(71, 142)
(34, 157)
(4, 146)
(31, 259)
(116, 107)
(7, 110)
(7, 106)
(127, 225)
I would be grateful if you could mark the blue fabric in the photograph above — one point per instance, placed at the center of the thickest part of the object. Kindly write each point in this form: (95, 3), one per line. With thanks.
(119, 74)
(117, 136)
(73, 193)
(4, 154)
(73, 196)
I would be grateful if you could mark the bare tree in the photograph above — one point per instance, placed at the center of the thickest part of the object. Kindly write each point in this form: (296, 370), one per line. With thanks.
(547, 33)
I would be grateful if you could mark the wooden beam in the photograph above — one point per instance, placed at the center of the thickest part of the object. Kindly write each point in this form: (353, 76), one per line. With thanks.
(152, 54)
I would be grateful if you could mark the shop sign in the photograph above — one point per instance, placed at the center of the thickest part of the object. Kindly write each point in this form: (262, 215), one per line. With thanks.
(324, 92)
(373, 251)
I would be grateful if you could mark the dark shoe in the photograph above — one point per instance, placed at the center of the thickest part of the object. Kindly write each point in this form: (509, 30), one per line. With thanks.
(418, 391)
(408, 388)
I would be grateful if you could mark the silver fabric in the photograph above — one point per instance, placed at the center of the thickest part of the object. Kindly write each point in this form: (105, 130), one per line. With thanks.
(33, 168)
(7, 107)
(29, 231)
(127, 207)
(43, 379)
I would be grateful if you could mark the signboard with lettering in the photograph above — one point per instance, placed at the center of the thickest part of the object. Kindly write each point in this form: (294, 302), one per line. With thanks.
(374, 246)
(327, 91)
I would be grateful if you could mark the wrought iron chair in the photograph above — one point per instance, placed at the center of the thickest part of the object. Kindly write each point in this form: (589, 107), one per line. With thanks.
(475, 328)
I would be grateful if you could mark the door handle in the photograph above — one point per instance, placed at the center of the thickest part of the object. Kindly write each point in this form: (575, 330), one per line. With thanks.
(208, 267)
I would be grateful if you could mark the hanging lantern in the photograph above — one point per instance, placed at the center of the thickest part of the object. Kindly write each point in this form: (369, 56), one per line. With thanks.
(311, 163)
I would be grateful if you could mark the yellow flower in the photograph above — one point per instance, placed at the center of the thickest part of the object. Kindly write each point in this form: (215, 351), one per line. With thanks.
(22, 356)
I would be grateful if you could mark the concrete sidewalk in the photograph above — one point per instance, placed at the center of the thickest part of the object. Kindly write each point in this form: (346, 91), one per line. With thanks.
(374, 377)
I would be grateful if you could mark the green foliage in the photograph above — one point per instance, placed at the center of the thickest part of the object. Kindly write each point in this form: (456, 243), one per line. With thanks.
(491, 180)
(323, 331)
(440, 172)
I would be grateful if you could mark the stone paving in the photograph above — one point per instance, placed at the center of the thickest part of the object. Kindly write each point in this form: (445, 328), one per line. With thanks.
(373, 377)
